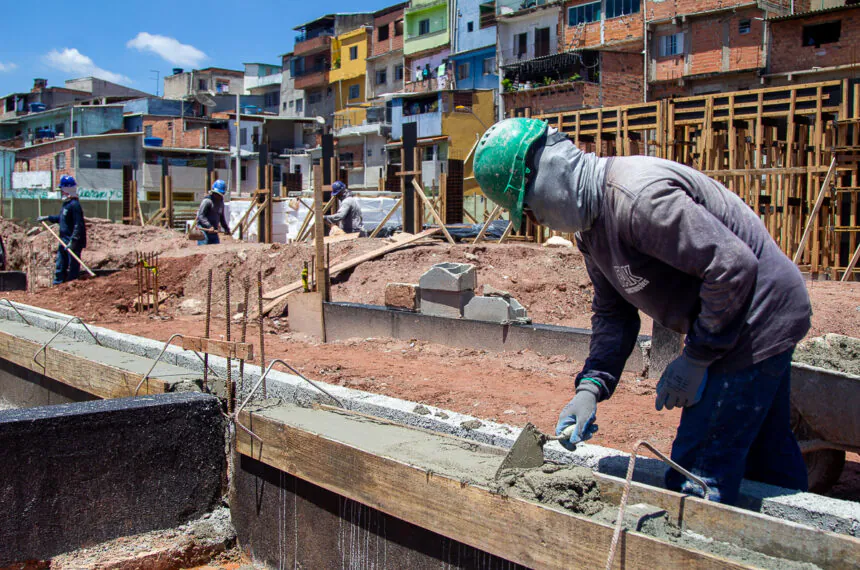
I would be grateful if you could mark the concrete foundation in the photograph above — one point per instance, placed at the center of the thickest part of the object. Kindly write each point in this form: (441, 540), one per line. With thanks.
(289, 523)
(79, 474)
(22, 388)
(448, 304)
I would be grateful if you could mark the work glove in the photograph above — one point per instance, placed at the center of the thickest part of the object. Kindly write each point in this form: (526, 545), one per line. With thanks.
(682, 384)
(576, 421)
(42, 219)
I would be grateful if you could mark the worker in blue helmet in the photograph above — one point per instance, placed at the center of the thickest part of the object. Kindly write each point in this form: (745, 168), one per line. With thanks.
(348, 215)
(73, 231)
(211, 214)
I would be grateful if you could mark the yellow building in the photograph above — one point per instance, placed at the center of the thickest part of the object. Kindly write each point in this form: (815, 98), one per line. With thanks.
(348, 76)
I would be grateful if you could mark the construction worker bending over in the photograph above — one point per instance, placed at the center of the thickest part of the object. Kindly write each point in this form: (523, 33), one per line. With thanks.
(665, 239)
(348, 215)
(73, 232)
(211, 214)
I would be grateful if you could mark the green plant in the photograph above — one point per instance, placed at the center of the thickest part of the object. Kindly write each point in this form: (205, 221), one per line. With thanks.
(575, 77)
(547, 81)
(507, 85)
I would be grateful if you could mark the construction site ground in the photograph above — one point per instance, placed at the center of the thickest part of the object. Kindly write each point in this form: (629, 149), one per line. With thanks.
(508, 387)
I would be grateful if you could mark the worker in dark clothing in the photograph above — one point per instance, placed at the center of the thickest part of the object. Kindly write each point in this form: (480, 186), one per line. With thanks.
(210, 216)
(664, 239)
(348, 215)
(73, 232)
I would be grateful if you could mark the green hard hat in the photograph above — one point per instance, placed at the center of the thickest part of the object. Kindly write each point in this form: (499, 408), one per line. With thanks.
(500, 162)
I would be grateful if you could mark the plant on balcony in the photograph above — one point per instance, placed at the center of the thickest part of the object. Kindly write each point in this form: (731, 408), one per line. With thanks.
(575, 77)
(507, 85)
(336, 64)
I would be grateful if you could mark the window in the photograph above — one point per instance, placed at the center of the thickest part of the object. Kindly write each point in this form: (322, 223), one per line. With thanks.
(489, 66)
(463, 70)
(147, 131)
(398, 28)
(671, 45)
(201, 84)
(541, 42)
(398, 73)
(521, 42)
(244, 171)
(382, 33)
(102, 160)
(744, 27)
(353, 53)
(382, 77)
(354, 91)
(314, 98)
(470, 26)
(284, 105)
(583, 14)
(818, 34)
(60, 128)
(222, 86)
(424, 27)
(615, 8)
(255, 136)
(243, 136)
(74, 127)
(299, 105)
(60, 160)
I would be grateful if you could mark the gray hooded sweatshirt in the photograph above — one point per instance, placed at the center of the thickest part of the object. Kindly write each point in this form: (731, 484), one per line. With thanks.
(663, 238)
(348, 215)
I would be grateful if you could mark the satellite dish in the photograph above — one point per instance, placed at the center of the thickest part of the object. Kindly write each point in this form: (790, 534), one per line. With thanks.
(320, 120)
(205, 99)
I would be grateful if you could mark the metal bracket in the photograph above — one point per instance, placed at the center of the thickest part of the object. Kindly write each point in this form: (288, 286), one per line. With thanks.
(260, 383)
(14, 308)
(163, 350)
(56, 334)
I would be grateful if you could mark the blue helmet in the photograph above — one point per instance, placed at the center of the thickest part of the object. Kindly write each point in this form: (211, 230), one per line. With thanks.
(68, 182)
(219, 186)
(337, 187)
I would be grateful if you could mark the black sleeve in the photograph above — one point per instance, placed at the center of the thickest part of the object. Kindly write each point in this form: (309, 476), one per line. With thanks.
(615, 329)
(78, 223)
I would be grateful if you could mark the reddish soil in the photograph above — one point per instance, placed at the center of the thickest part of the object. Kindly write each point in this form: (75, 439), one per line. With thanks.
(509, 387)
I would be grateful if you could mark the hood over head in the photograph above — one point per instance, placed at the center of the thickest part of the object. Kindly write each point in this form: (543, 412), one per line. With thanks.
(566, 187)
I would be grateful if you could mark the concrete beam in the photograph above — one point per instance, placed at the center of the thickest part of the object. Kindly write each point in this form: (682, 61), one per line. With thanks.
(79, 474)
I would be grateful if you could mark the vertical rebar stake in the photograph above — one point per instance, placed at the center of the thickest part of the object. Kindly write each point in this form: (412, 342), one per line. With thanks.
(260, 325)
(207, 328)
(229, 384)
(247, 285)
(155, 276)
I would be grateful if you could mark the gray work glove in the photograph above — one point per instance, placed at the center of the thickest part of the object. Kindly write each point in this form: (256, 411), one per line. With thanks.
(576, 421)
(682, 384)
(42, 218)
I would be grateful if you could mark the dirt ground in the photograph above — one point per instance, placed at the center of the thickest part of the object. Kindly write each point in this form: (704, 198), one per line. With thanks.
(509, 387)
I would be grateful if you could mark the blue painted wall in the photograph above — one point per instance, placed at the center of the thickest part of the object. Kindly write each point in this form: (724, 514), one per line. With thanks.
(476, 78)
(464, 40)
(160, 107)
(429, 124)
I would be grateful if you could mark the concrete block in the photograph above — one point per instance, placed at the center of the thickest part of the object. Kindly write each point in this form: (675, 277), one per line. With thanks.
(403, 296)
(80, 474)
(445, 303)
(450, 277)
(495, 310)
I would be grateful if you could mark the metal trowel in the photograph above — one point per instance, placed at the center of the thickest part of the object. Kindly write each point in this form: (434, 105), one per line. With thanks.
(527, 450)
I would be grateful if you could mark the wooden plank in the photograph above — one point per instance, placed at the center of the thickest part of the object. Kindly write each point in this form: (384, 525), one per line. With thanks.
(507, 232)
(306, 313)
(514, 529)
(851, 265)
(222, 348)
(433, 211)
(813, 215)
(390, 213)
(493, 215)
(275, 296)
(97, 378)
(339, 238)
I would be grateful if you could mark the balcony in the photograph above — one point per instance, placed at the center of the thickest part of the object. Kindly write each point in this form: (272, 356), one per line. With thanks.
(316, 76)
(308, 46)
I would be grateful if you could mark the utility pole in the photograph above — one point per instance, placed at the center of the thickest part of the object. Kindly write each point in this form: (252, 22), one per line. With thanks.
(157, 76)
(238, 149)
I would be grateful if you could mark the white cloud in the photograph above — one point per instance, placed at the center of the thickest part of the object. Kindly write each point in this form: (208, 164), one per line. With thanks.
(7, 67)
(170, 49)
(73, 62)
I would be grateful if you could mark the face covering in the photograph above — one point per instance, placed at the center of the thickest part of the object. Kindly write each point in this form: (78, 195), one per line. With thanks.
(566, 185)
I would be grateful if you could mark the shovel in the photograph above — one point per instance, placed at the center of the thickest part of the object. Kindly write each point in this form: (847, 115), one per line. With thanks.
(527, 450)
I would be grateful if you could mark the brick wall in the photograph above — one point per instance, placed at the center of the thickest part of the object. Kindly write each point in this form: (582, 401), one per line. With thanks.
(615, 30)
(174, 135)
(789, 54)
(664, 9)
(621, 78)
(42, 158)
(393, 42)
(553, 98)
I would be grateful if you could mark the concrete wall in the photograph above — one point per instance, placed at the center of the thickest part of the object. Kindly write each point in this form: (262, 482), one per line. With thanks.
(184, 178)
(80, 474)
(122, 150)
(389, 62)
(34, 179)
(23, 388)
(437, 12)
(510, 28)
(461, 38)
(289, 94)
(429, 124)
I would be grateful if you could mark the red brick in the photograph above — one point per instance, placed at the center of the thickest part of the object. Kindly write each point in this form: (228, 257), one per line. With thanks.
(402, 296)
(42, 158)
(393, 43)
(170, 130)
(788, 54)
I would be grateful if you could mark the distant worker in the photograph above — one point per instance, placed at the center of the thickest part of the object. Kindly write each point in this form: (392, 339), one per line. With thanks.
(664, 239)
(73, 231)
(348, 215)
(211, 214)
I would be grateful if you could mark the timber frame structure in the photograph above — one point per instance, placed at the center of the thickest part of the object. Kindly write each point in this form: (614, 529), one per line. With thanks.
(773, 147)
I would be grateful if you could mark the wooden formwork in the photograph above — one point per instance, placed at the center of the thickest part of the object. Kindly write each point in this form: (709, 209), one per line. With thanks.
(772, 147)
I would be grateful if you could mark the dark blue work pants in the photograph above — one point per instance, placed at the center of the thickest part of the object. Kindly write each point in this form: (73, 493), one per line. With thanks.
(67, 267)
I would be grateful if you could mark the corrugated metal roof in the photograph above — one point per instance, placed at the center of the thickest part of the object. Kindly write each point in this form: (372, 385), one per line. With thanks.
(812, 13)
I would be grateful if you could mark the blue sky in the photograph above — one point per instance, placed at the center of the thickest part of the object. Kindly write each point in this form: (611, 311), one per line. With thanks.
(124, 39)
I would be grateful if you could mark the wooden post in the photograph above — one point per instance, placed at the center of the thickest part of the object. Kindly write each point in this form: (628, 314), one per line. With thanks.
(433, 212)
(495, 214)
(813, 215)
(169, 199)
(319, 242)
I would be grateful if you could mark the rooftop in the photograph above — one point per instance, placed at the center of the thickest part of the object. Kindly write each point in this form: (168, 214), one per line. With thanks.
(811, 13)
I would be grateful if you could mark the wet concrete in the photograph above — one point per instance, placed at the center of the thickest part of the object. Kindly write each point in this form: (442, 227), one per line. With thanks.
(832, 351)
